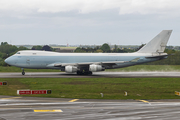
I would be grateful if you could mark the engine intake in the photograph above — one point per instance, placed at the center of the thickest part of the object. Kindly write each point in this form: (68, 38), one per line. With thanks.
(95, 68)
(70, 69)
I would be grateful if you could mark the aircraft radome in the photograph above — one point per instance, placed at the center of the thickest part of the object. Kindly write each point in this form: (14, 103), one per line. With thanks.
(86, 63)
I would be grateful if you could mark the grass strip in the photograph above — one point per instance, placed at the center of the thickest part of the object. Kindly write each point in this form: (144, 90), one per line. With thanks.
(90, 88)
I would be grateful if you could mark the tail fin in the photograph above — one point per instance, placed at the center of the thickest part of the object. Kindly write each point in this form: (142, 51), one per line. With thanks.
(157, 44)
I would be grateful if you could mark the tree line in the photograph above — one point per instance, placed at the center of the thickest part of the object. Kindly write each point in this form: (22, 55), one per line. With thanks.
(105, 48)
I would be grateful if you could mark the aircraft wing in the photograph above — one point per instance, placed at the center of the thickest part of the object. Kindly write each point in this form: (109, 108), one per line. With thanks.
(107, 63)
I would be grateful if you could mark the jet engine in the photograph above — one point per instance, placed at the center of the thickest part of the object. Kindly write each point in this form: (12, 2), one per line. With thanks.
(70, 69)
(95, 68)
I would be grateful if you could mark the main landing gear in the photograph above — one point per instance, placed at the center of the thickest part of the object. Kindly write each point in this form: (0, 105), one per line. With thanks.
(23, 73)
(84, 73)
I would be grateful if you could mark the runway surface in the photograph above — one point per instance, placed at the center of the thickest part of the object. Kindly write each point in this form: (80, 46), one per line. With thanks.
(33, 108)
(95, 75)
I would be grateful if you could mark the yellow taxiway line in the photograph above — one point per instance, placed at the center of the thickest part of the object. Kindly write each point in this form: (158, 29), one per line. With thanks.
(144, 101)
(48, 111)
(73, 100)
(11, 98)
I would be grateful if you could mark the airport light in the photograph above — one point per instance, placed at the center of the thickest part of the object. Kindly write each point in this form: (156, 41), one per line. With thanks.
(125, 93)
(102, 95)
(177, 93)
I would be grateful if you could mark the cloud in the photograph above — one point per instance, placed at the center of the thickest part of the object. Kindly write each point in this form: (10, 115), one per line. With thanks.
(88, 6)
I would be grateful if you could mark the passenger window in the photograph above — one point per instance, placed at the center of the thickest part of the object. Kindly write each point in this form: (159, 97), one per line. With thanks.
(34, 53)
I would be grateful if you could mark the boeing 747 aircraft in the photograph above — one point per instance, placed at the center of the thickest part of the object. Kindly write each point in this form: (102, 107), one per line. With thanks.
(86, 63)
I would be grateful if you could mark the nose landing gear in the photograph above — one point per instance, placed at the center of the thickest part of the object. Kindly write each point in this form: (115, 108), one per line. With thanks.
(23, 73)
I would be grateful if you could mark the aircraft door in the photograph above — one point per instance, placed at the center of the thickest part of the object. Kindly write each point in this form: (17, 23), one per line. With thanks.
(28, 61)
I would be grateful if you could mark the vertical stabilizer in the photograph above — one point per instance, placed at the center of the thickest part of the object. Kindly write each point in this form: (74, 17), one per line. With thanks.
(157, 44)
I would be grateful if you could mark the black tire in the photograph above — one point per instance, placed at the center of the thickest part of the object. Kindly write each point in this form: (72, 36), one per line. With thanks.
(79, 73)
(23, 73)
(84, 73)
(89, 73)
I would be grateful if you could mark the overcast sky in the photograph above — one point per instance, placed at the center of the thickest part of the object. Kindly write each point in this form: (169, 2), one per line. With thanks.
(121, 22)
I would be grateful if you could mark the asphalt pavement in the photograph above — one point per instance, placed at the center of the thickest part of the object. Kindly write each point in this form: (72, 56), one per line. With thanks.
(31, 108)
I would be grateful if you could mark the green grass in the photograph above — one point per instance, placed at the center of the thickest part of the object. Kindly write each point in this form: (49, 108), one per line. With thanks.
(90, 88)
(137, 68)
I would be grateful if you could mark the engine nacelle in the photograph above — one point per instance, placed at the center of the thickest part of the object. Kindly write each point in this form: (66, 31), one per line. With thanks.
(95, 68)
(70, 69)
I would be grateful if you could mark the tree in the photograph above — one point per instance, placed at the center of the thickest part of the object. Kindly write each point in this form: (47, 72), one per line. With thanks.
(140, 47)
(115, 48)
(22, 48)
(79, 50)
(7, 49)
(4, 43)
(99, 51)
(37, 47)
(105, 48)
(47, 48)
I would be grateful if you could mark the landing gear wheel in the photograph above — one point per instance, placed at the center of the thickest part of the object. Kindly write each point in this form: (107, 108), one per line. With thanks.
(79, 73)
(89, 73)
(23, 73)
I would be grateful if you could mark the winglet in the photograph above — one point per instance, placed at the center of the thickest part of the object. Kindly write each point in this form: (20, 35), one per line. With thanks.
(157, 44)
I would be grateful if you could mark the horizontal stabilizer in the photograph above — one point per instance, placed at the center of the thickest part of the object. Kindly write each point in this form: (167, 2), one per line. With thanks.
(160, 56)
(157, 44)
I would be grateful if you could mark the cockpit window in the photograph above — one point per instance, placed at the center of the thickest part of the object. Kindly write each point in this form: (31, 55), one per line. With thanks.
(18, 53)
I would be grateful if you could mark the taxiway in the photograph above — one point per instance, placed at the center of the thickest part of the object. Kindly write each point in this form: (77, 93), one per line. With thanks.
(21, 108)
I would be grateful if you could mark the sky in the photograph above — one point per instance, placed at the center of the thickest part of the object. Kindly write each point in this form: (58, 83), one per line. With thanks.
(88, 22)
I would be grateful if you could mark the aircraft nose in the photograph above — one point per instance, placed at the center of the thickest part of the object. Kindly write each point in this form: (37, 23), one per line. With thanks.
(7, 60)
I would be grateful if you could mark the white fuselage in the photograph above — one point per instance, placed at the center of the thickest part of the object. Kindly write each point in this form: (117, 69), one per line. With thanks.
(44, 59)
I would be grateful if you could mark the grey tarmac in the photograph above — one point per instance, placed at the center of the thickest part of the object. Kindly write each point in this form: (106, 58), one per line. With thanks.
(21, 108)
(95, 75)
